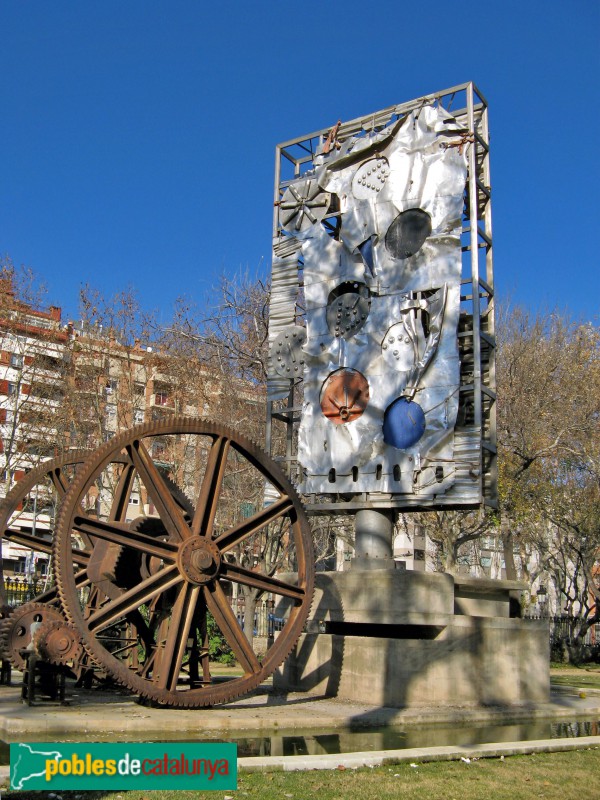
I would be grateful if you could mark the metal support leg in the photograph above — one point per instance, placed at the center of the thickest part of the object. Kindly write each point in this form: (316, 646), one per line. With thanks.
(374, 533)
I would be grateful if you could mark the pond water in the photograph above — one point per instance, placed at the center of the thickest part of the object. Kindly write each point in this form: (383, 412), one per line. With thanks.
(300, 743)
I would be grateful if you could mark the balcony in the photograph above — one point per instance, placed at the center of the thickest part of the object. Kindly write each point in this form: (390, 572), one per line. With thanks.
(163, 400)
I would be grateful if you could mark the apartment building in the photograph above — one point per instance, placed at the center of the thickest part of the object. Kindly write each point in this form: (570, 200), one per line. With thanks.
(65, 387)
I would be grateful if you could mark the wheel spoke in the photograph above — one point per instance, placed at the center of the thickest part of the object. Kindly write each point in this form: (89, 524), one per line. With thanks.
(180, 623)
(218, 605)
(61, 486)
(122, 494)
(253, 524)
(201, 653)
(237, 574)
(168, 509)
(206, 507)
(28, 540)
(42, 546)
(133, 598)
(120, 533)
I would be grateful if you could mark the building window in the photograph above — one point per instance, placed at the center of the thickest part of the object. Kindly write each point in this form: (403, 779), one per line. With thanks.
(11, 389)
(48, 362)
(112, 386)
(161, 399)
(138, 416)
(16, 360)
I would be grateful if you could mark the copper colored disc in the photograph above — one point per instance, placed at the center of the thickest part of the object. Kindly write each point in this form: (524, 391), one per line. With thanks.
(344, 396)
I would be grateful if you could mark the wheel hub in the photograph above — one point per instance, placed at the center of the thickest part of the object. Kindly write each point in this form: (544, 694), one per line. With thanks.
(199, 560)
(58, 642)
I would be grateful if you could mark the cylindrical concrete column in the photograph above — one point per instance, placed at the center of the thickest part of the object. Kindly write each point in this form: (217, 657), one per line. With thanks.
(374, 533)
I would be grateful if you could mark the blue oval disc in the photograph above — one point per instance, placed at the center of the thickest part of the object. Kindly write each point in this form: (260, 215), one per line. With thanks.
(403, 423)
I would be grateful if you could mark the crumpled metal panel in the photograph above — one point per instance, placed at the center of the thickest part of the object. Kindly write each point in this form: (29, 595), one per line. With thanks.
(400, 198)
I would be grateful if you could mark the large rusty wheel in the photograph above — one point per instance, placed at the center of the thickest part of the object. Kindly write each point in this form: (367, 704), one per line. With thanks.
(178, 569)
(43, 488)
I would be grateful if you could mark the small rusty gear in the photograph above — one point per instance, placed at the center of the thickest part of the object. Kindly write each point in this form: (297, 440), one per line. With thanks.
(178, 565)
(58, 643)
(16, 633)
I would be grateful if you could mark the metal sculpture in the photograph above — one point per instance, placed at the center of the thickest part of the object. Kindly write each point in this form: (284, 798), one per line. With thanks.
(382, 274)
(165, 577)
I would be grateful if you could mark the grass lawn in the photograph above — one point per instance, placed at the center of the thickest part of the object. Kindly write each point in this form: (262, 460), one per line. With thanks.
(587, 676)
(553, 776)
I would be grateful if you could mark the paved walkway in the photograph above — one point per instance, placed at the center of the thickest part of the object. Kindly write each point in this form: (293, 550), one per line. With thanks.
(105, 714)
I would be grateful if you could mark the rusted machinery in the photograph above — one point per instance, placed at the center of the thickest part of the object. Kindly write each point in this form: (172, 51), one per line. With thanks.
(157, 534)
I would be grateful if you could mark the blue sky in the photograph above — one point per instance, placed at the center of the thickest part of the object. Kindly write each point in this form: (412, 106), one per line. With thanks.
(137, 141)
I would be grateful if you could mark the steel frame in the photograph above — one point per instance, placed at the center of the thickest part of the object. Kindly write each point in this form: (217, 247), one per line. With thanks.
(294, 158)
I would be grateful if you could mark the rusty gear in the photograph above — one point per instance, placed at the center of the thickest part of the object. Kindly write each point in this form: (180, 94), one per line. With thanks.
(151, 633)
(55, 475)
(58, 643)
(16, 633)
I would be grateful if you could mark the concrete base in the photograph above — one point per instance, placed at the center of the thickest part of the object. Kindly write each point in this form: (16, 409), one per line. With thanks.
(403, 639)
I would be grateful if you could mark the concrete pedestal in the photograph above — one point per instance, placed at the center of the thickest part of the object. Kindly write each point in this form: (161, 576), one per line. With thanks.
(398, 639)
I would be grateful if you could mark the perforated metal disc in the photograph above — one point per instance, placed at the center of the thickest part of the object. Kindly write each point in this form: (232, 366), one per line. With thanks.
(348, 307)
(286, 353)
(370, 178)
(398, 348)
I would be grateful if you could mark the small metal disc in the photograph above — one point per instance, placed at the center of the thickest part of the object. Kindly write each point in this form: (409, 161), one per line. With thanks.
(303, 204)
(370, 178)
(398, 348)
(348, 307)
(287, 355)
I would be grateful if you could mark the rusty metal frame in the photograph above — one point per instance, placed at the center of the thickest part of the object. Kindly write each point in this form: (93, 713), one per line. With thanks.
(476, 334)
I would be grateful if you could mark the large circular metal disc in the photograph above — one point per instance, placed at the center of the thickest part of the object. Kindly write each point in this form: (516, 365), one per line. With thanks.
(174, 571)
(403, 423)
(344, 395)
(408, 232)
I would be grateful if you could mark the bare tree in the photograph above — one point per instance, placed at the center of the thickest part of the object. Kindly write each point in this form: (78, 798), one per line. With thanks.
(549, 452)
(452, 532)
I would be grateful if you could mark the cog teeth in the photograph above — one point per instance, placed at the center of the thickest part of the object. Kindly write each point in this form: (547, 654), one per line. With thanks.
(118, 668)
(15, 630)
(44, 643)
